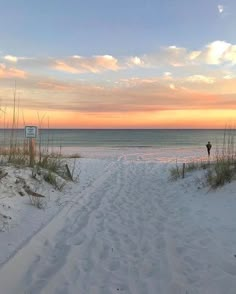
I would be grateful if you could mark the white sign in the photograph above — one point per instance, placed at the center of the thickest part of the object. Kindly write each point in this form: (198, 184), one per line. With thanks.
(31, 132)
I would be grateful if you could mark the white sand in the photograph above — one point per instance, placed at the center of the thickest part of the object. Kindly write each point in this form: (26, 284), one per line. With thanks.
(123, 228)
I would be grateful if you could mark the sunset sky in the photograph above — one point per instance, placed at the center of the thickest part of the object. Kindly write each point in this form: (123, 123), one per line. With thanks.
(118, 64)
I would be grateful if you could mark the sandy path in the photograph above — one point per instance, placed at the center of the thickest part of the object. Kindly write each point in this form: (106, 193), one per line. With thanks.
(127, 232)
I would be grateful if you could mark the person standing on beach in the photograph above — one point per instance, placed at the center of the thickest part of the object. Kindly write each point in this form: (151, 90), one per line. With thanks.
(208, 146)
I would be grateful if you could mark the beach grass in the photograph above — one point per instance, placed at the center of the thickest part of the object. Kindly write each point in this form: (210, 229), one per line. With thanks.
(224, 168)
(180, 170)
(51, 165)
(220, 170)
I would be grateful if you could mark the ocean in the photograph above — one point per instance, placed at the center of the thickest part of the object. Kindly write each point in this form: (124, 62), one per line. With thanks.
(141, 138)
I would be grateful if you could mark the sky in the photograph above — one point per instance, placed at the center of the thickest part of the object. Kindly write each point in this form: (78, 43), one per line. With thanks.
(118, 64)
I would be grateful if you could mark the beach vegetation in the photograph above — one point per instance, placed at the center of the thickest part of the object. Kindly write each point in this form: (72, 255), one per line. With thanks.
(53, 162)
(175, 172)
(180, 170)
(223, 169)
(196, 165)
(17, 156)
(50, 178)
(220, 170)
(15, 150)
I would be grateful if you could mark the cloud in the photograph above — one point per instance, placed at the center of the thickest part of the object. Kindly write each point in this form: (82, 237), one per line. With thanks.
(215, 53)
(78, 64)
(73, 64)
(63, 66)
(201, 79)
(220, 8)
(106, 62)
(11, 58)
(172, 86)
(166, 59)
(127, 95)
(172, 56)
(167, 75)
(176, 55)
(194, 55)
(55, 85)
(11, 72)
(15, 59)
(228, 77)
(135, 61)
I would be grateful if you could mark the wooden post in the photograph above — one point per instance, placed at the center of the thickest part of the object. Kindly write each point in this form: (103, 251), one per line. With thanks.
(32, 151)
(183, 170)
(31, 134)
(69, 173)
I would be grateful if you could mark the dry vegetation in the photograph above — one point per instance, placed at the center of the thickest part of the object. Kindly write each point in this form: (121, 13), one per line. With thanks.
(220, 170)
(48, 166)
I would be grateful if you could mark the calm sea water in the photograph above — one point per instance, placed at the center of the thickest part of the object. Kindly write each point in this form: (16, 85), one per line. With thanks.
(121, 138)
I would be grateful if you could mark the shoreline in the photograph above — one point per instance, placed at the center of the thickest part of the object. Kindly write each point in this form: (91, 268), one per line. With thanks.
(183, 154)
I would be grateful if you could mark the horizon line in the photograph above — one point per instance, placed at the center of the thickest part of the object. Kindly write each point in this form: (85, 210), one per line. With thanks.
(113, 129)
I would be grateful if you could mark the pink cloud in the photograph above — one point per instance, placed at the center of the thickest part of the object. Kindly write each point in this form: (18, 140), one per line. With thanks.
(11, 72)
(95, 64)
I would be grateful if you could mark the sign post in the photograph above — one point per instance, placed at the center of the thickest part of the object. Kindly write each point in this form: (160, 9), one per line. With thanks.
(31, 134)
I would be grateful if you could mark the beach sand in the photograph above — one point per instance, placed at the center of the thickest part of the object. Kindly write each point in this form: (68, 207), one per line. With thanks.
(122, 227)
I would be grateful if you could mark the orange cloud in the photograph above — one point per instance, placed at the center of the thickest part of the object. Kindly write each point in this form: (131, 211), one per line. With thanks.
(201, 79)
(141, 118)
(63, 66)
(55, 86)
(78, 64)
(165, 101)
(11, 72)
(216, 53)
(128, 95)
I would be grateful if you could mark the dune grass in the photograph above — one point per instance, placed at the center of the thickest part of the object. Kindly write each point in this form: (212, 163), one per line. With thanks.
(180, 170)
(220, 170)
(224, 168)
